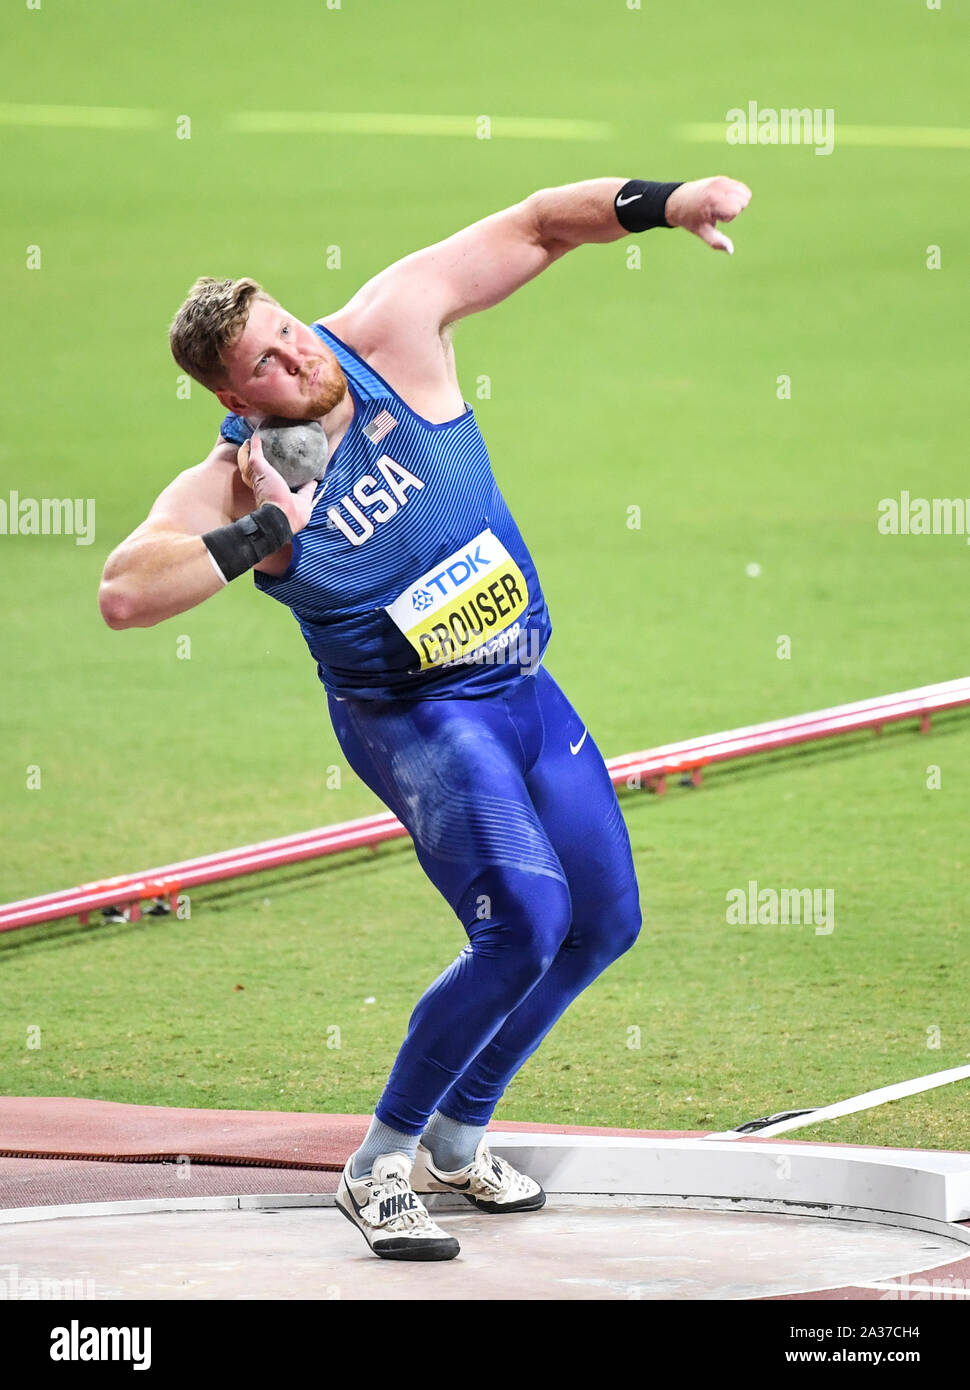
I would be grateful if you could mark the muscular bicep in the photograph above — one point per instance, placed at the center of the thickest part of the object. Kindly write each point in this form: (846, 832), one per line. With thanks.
(470, 271)
(207, 495)
(163, 567)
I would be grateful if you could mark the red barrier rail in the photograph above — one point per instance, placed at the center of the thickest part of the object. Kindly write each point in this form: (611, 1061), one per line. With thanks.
(650, 768)
(653, 765)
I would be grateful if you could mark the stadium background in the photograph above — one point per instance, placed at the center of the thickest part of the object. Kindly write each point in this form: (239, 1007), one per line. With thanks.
(610, 388)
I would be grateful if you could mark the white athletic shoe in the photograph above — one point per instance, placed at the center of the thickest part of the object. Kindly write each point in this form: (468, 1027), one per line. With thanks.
(488, 1182)
(394, 1222)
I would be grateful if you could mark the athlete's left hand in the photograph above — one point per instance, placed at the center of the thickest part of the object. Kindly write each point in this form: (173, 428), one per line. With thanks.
(700, 205)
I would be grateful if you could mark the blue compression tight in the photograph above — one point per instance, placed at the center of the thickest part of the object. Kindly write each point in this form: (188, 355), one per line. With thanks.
(525, 840)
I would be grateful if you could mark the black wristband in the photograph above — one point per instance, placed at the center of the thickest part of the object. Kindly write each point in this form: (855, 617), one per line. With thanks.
(238, 547)
(640, 205)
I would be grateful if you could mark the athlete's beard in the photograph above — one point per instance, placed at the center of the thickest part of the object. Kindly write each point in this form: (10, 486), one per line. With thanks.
(329, 392)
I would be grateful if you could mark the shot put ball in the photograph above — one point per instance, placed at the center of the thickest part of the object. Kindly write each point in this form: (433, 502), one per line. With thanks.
(297, 449)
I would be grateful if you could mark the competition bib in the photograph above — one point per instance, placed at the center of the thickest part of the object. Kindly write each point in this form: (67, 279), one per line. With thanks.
(461, 605)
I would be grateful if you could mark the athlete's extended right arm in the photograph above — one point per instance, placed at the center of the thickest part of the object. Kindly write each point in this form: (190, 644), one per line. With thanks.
(165, 567)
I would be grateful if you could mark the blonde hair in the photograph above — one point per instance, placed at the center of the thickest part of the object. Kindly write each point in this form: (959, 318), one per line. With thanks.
(212, 319)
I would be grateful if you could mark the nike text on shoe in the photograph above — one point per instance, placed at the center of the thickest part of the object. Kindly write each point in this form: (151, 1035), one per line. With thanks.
(488, 1182)
(394, 1222)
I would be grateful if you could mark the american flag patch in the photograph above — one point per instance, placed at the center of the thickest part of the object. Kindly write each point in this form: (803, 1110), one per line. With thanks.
(380, 426)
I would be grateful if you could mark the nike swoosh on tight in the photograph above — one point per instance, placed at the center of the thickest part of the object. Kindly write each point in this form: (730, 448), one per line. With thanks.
(622, 202)
(579, 745)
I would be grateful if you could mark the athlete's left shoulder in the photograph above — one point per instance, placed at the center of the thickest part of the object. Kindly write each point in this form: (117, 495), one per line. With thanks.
(418, 363)
(349, 328)
(392, 310)
(366, 329)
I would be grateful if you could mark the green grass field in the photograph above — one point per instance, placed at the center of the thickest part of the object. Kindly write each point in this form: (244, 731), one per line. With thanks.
(611, 387)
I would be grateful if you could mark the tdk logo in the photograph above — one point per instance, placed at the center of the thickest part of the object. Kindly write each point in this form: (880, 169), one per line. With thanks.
(421, 599)
(448, 580)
